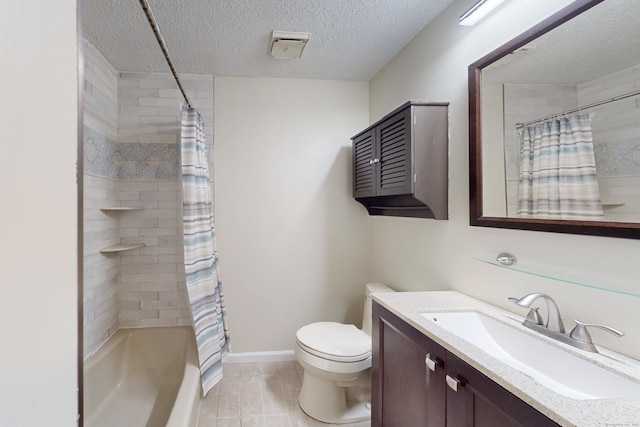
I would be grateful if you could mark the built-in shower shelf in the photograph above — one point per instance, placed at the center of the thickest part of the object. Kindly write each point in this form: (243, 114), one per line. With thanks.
(121, 248)
(120, 208)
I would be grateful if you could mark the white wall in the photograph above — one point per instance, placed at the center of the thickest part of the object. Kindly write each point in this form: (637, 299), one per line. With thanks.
(415, 254)
(293, 243)
(38, 221)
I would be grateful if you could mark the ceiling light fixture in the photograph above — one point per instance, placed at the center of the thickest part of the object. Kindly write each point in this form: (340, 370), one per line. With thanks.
(287, 45)
(478, 11)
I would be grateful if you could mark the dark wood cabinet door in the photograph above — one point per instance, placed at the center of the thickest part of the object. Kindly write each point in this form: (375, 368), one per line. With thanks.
(480, 402)
(364, 167)
(395, 153)
(405, 392)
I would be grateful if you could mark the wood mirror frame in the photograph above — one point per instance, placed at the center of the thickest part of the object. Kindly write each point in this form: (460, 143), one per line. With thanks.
(629, 230)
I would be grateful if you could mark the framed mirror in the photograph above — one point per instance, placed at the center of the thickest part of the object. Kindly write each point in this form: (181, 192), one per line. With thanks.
(554, 125)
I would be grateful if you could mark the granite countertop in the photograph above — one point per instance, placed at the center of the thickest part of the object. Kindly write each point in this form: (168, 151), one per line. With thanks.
(622, 412)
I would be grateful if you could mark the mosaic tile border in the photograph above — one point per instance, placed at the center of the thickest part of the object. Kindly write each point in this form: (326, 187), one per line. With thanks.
(618, 157)
(110, 159)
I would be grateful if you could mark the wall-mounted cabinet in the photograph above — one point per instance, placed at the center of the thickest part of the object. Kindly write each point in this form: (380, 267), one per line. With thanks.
(400, 163)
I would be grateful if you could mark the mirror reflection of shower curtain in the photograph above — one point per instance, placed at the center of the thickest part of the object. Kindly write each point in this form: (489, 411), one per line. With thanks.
(558, 170)
(204, 286)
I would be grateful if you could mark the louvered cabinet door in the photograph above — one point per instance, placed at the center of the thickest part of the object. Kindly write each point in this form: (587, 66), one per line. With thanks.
(364, 164)
(395, 172)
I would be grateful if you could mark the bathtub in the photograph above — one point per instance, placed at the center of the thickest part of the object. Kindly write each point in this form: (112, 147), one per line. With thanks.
(143, 377)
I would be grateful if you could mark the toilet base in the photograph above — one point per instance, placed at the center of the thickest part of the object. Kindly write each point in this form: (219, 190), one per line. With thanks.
(328, 402)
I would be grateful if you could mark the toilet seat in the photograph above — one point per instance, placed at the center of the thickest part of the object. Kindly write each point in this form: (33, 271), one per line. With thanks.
(335, 341)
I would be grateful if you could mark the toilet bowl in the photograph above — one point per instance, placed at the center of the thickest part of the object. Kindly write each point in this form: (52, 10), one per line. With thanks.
(336, 359)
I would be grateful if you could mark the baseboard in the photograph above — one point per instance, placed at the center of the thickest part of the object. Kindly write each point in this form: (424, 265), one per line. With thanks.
(261, 356)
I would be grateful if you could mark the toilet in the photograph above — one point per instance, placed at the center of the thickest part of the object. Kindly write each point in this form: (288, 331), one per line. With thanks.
(336, 359)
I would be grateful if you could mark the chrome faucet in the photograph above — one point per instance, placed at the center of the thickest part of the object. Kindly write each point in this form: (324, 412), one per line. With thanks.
(554, 320)
(554, 328)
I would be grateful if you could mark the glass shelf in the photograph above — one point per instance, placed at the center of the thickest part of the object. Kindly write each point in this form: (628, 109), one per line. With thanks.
(590, 280)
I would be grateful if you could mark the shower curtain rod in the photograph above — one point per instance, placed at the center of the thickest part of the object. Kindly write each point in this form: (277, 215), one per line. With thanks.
(575, 110)
(154, 26)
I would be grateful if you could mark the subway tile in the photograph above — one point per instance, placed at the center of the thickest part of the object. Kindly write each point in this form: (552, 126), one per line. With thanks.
(138, 314)
(159, 213)
(139, 259)
(159, 195)
(159, 83)
(169, 186)
(160, 251)
(162, 305)
(139, 222)
(151, 322)
(171, 258)
(138, 185)
(158, 286)
(170, 93)
(158, 120)
(138, 92)
(169, 314)
(147, 240)
(159, 138)
(138, 296)
(157, 102)
(138, 278)
(156, 232)
(156, 268)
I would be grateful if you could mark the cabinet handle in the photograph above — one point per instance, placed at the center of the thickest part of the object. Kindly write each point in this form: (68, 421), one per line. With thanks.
(371, 161)
(453, 382)
(376, 160)
(431, 362)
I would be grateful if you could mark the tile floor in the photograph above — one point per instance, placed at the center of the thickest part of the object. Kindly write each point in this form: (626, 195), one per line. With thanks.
(258, 395)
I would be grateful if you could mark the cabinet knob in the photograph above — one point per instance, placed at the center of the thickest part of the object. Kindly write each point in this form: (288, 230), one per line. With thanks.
(432, 362)
(453, 382)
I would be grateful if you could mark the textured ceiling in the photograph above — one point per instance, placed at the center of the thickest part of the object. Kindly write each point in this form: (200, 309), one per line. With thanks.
(600, 41)
(350, 39)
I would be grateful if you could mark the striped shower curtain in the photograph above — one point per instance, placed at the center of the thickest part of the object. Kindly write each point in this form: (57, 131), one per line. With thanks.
(558, 171)
(200, 260)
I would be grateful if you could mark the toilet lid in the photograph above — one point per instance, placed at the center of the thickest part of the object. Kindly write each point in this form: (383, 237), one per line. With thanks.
(335, 341)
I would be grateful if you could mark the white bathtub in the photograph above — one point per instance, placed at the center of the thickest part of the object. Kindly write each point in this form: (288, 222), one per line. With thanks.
(143, 377)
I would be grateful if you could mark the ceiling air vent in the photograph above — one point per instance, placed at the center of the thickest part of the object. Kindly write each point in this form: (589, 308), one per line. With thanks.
(287, 45)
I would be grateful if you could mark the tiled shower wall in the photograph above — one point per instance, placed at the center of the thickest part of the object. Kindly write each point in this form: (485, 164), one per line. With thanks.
(100, 103)
(617, 150)
(136, 164)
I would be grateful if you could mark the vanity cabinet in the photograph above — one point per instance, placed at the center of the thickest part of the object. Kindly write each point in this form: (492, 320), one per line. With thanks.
(400, 163)
(413, 380)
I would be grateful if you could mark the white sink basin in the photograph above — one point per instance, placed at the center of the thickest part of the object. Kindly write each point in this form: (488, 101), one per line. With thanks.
(551, 366)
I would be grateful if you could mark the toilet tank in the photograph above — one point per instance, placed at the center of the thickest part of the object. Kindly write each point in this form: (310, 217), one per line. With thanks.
(371, 288)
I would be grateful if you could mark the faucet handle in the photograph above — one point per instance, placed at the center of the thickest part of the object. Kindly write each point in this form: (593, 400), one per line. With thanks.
(581, 333)
(533, 316)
